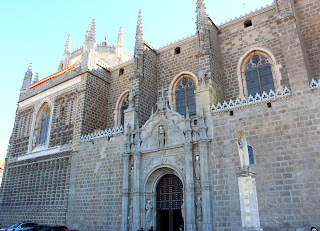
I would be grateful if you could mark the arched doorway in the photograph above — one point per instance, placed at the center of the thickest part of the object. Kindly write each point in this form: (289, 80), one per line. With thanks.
(169, 202)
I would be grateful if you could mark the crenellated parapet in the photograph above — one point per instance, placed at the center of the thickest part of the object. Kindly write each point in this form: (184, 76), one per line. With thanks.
(103, 133)
(251, 100)
(315, 84)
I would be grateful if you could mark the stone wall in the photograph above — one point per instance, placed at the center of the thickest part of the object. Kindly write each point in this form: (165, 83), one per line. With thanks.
(95, 185)
(36, 190)
(147, 86)
(171, 64)
(237, 40)
(215, 64)
(95, 108)
(21, 132)
(308, 17)
(118, 85)
(286, 149)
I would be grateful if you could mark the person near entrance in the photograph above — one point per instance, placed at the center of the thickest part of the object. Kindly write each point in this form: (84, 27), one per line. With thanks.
(151, 228)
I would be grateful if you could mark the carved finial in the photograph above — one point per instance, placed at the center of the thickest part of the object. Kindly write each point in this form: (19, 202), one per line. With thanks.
(90, 42)
(202, 17)
(92, 33)
(162, 91)
(120, 38)
(36, 78)
(119, 49)
(67, 48)
(27, 78)
(139, 33)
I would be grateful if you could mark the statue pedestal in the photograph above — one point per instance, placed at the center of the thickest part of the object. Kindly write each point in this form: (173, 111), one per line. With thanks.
(130, 117)
(249, 202)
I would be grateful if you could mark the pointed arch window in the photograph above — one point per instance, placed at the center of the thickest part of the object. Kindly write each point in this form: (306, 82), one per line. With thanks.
(258, 74)
(44, 126)
(124, 105)
(184, 95)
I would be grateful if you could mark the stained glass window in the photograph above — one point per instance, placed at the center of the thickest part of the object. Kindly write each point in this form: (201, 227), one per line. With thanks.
(123, 107)
(44, 126)
(259, 75)
(185, 97)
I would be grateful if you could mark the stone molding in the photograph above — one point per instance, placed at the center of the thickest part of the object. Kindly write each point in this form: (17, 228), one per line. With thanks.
(103, 133)
(244, 102)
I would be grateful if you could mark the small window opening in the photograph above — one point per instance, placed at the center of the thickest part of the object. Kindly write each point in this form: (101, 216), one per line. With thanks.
(121, 71)
(251, 155)
(177, 50)
(231, 113)
(269, 104)
(247, 23)
(195, 122)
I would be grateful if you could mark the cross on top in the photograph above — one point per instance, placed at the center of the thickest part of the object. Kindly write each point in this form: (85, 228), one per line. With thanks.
(162, 91)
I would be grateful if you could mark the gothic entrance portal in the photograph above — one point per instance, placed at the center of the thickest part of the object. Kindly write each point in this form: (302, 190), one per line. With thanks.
(169, 202)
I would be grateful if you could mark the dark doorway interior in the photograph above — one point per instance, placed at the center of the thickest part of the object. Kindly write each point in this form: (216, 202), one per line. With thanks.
(169, 202)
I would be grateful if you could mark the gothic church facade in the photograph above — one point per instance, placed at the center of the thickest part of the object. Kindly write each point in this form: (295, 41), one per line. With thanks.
(217, 131)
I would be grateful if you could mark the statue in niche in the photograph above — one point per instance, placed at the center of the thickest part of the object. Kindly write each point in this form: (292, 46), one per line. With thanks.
(35, 136)
(130, 211)
(243, 149)
(161, 137)
(202, 77)
(197, 167)
(199, 209)
(148, 210)
(132, 94)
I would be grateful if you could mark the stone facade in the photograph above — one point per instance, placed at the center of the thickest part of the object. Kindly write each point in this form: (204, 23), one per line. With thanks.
(79, 166)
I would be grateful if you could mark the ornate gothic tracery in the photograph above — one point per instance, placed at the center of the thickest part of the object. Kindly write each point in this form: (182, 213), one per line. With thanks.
(184, 95)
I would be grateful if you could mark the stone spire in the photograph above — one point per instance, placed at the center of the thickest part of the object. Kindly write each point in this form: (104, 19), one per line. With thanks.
(67, 48)
(67, 53)
(36, 78)
(202, 17)
(139, 34)
(120, 38)
(91, 35)
(119, 48)
(27, 78)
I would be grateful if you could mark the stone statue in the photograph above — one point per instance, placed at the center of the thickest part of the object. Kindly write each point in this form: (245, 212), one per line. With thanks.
(197, 167)
(132, 94)
(182, 210)
(35, 136)
(199, 209)
(202, 77)
(130, 211)
(243, 149)
(148, 210)
(161, 137)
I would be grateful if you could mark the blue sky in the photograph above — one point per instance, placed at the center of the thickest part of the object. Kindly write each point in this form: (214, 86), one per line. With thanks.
(36, 31)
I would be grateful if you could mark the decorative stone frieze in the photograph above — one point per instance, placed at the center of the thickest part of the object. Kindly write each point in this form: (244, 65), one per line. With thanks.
(103, 133)
(314, 84)
(244, 102)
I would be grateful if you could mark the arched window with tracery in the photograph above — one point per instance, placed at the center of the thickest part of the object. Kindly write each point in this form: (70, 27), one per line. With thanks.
(184, 95)
(42, 126)
(123, 106)
(258, 74)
